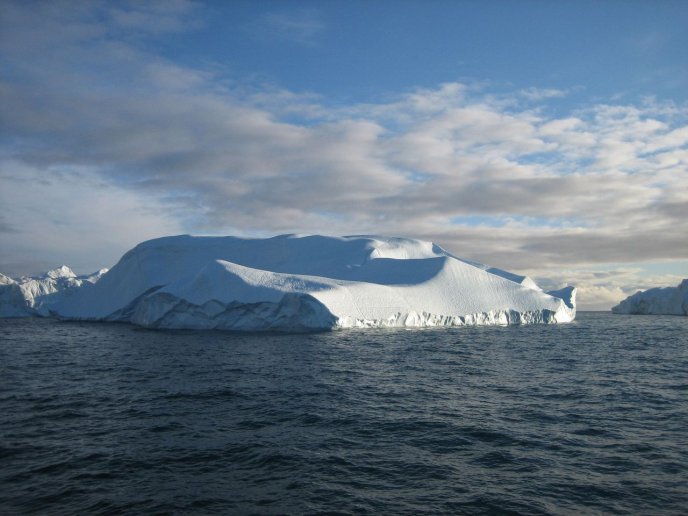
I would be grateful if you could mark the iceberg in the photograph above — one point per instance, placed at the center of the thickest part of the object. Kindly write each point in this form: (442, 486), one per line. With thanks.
(308, 283)
(12, 300)
(37, 295)
(656, 301)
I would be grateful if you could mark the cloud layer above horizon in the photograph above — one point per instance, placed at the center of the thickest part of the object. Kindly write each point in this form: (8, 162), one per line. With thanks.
(105, 143)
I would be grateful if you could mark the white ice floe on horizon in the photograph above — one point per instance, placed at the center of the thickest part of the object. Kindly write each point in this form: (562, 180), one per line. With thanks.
(656, 301)
(300, 283)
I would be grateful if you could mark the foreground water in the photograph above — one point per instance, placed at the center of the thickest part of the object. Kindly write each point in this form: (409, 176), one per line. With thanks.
(107, 418)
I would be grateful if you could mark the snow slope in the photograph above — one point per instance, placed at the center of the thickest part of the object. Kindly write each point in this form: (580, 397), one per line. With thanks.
(656, 301)
(295, 283)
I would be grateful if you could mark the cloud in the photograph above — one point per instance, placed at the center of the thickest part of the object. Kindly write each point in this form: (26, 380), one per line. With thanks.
(303, 27)
(537, 94)
(650, 42)
(154, 147)
(71, 216)
(154, 16)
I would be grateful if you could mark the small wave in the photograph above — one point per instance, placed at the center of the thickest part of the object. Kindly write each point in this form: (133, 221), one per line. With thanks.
(496, 459)
(213, 394)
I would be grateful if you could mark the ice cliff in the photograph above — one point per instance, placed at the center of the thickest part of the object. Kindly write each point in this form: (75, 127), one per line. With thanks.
(656, 301)
(297, 283)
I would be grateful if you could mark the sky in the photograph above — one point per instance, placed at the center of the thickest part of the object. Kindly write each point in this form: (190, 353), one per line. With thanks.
(548, 138)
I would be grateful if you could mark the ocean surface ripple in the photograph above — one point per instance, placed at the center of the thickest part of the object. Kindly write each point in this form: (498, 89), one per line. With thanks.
(590, 417)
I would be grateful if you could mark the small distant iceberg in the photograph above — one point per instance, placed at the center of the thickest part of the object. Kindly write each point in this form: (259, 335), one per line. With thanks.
(656, 301)
(37, 295)
(295, 283)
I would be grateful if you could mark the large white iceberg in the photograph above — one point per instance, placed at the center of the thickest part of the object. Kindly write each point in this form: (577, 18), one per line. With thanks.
(297, 283)
(656, 301)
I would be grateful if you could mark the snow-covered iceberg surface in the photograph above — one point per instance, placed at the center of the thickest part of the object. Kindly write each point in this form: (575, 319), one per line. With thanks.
(656, 301)
(297, 283)
(37, 295)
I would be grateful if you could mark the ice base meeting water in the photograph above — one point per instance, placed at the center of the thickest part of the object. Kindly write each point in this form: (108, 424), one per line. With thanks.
(108, 418)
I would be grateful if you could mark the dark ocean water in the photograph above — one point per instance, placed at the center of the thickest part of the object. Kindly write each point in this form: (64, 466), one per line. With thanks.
(590, 417)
